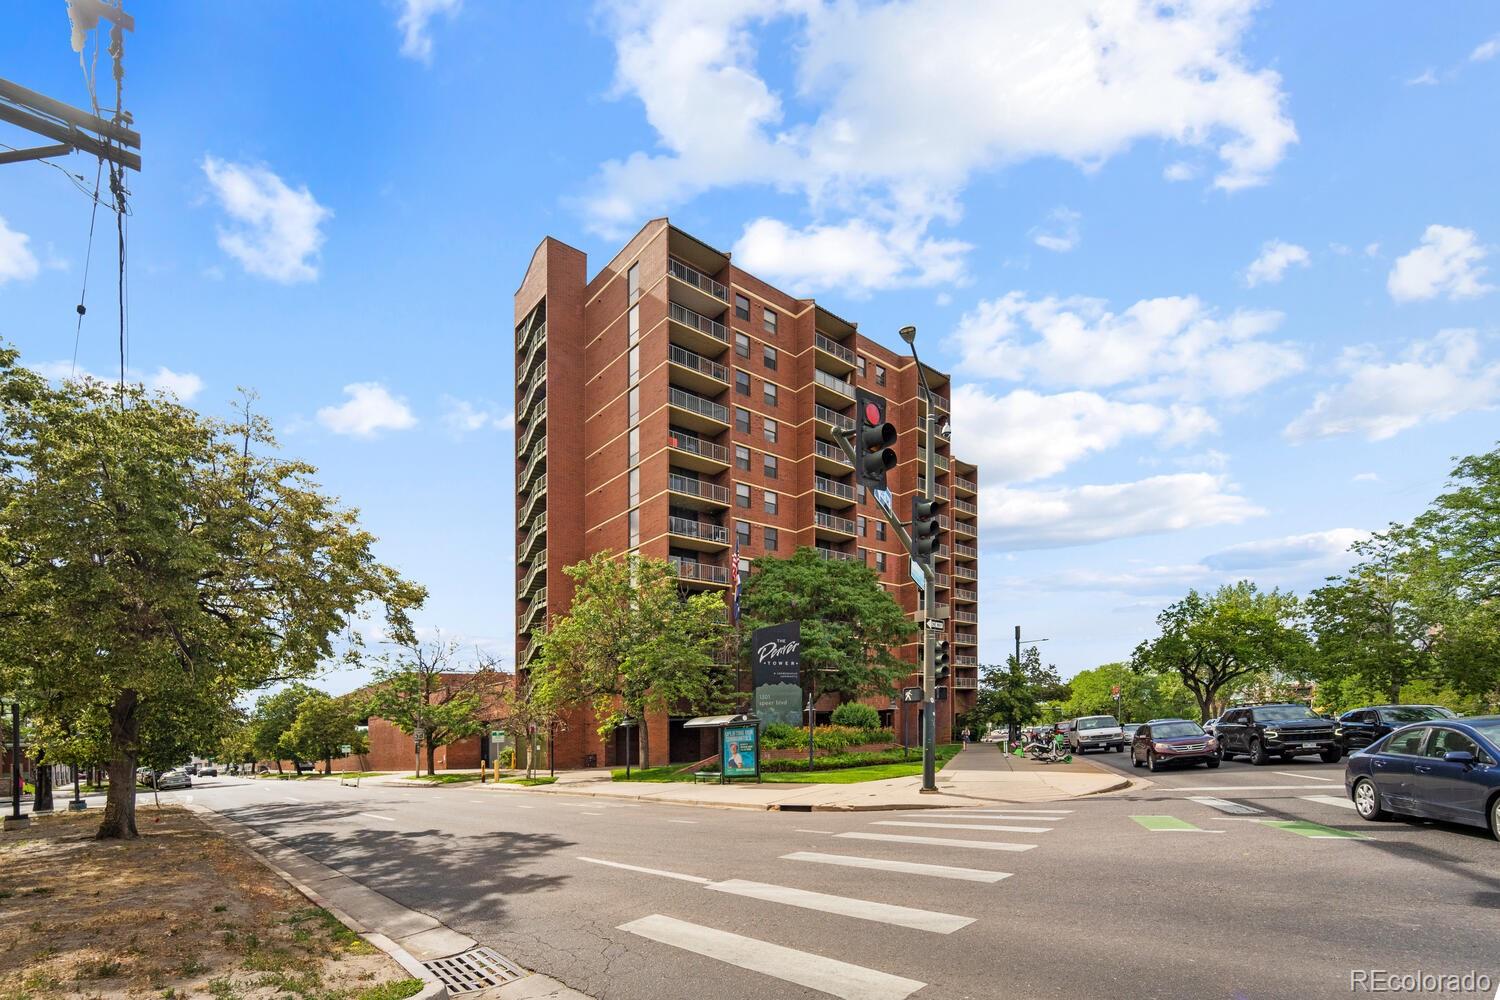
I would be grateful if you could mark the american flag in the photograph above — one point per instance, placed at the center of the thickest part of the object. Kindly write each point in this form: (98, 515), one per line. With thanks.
(734, 580)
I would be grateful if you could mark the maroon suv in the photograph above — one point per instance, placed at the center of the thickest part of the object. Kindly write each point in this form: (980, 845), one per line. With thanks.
(1172, 741)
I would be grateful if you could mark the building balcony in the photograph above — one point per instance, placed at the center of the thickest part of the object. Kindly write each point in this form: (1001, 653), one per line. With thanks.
(966, 638)
(965, 528)
(832, 356)
(966, 486)
(961, 683)
(939, 402)
(965, 551)
(699, 572)
(830, 421)
(939, 460)
(693, 452)
(689, 533)
(693, 411)
(697, 493)
(537, 574)
(940, 491)
(965, 506)
(535, 613)
(965, 660)
(826, 553)
(966, 594)
(696, 331)
(967, 617)
(964, 572)
(944, 581)
(827, 524)
(695, 289)
(831, 492)
(829, 458)
(831, 390)
(694, 371)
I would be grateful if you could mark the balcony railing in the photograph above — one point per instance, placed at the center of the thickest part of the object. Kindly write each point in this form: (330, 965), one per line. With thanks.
(699, 322)
(833, 417)
(832, 452)
(537, 462)
(837, 489)
(833, 382)
(698, 446)
(697, 488)
(965, 660)
(833, 347)
(965, 572)
(536, 422)
(699, 405)
(966, 638)
(537, 606)
(827, 553)
(966, 484)
(943, 580)
(696, 278)
(965, 683)
(940, 491)
(966, 594)
(537, 494)
(969, 617)
(834, 523)
(689, 528)
(689, 569)
(534, 536)
(966, 506)
(538, 570)
(537, 378)
(938, 459)
(688, 359)
(964, 549)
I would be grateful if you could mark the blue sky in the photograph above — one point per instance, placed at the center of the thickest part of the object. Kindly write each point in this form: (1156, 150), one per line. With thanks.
(1216, 280)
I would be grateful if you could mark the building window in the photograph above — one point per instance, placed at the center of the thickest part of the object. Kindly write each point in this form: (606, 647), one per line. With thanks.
(742, 420)
(859, 523)
(742, 344)
(859, 365)
(742, 457)
(635, 445)
(879, 531)
(634, 405)
(770, 358)
(635, 486)
(741, 307)
(741, 495)
(880, 562)
(742, 382)
(769, 319)
(771, 500)
(859, 491)
(633, 282)
(635, 528)
(770, 467)
(742, 533)
(880, 374)
(769, 537)
(635, 324)
(635, 365)
(771, 428)
(770, 393)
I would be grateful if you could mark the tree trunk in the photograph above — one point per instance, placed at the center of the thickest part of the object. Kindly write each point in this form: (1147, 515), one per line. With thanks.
(119, 804)
(41, 798)
(431, 755)
(1205, 706)
(645, 742)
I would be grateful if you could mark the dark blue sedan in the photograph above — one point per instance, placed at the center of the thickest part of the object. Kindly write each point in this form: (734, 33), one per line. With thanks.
(1447, 769)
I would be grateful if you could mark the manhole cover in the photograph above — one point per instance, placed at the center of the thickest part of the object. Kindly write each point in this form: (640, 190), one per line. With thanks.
(474, 970)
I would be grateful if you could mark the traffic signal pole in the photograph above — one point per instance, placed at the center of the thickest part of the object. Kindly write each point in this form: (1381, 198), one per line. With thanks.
(929, 606)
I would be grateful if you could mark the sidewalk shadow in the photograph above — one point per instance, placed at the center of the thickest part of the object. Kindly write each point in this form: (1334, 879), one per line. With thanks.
(431, 870)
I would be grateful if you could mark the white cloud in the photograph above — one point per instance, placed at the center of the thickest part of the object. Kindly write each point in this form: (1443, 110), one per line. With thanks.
(1426, 78)
(1486, 50)
(17, 262)
(183, 385)
(1449, 260)
(463, 417)
(1372, 249)
(1290, 550)
(1082, 515)
(1436, 380)
(369, 410)
(1275, 257)
(879, 127)
(1162, 579)
(415, 18)
(1366, 477)
(277, 231)
(1157, 346)
(853, 255)
(1180, 171)
(1060, 232)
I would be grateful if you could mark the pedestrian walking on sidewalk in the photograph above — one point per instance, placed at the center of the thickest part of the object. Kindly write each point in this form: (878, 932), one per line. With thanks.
(965, 735)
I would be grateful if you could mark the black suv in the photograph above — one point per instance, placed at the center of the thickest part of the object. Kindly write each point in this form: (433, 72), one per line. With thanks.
(1286, 731)
(1360, 727)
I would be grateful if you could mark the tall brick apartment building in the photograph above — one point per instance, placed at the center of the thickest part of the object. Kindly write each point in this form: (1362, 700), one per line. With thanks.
(674, 404)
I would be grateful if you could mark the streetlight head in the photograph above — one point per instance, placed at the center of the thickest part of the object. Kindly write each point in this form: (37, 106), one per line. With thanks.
(909, 334)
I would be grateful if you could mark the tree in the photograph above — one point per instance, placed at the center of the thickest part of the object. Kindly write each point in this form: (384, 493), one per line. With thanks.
(322, 728)
(851, 626)
(1226, 637)
(1013, 695)
(420, 692)
(272, 717)
(142, 544)
(630, 645)
(527, 708)
(1142, 695)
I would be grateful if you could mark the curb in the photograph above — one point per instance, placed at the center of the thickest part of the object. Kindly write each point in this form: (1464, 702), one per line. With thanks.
(434, 988)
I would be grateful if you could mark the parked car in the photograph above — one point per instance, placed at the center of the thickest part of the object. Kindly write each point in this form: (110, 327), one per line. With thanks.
(1360, 727)
(1211, 726)
(176, 778)
(1095, 732)
(207, 771)
(1128, 731)
(1172, 741)
(190, 768)
(1286, 731)
(1448, 769)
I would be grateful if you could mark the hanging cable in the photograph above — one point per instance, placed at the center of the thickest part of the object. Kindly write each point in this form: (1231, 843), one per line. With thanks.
(88, 256)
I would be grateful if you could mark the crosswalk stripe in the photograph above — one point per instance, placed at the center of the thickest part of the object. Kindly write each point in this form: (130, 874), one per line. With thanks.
(978, 845)
(700, 880)
(1309, 777)
(374, 816)
(963, 826)
(1033, 817)
(827, 975)
(905, 867)
(1240, 788)
(845, 906)
(1329, 800)
(990, 809)
(1224, 805)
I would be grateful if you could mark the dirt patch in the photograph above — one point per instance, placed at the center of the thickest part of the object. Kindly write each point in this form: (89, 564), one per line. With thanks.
(180, 912)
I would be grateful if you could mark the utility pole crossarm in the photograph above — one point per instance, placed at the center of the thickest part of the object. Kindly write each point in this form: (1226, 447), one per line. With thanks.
(67, 125)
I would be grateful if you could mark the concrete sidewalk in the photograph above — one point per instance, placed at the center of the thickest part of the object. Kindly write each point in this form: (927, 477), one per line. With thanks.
(979, 773)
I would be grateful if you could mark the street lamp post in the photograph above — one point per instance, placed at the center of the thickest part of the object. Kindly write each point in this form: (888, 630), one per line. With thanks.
(929, 591)
(16, 820)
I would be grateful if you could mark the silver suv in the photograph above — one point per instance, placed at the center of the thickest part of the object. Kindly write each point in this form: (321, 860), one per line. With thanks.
(1096, 732)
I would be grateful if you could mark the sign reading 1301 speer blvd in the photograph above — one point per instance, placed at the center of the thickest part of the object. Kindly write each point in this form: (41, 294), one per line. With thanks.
(776, 662)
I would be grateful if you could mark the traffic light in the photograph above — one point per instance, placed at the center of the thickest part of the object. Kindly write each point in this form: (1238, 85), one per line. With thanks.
(872, 441)
(940, 660)
(924, 529)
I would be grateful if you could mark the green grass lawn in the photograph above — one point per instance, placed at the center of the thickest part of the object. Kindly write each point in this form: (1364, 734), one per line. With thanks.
(311, 776)
(445, 779)
(881, 765)
(528, 782)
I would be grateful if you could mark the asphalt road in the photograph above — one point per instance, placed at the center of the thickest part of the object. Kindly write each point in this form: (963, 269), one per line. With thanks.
(1186, 888)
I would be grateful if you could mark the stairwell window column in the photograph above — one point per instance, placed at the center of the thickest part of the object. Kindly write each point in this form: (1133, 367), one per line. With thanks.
(633, 282)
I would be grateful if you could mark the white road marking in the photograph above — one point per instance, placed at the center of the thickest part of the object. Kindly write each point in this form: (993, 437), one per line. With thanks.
(845, 906)
(977, 809)
(590, 814)
(827, 975)
(1224, 805)
(689, 821)
(288, 798)
(1329, 800)
(519, 806)
(963, 826)
(800, 830)
(1237, 788)
(944, 814)
(1310, 777)
(978, 845)
(1175, 830)
(374, 816)
(647, 871)
(905, 867)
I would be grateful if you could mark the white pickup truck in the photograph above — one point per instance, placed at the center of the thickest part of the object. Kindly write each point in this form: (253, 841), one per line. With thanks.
(1096, 732)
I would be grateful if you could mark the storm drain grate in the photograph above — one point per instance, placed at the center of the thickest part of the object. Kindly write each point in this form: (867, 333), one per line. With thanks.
(474, 970)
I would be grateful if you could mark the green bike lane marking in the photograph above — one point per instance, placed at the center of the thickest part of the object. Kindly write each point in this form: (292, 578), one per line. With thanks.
(1169, 824)
(1313, 831)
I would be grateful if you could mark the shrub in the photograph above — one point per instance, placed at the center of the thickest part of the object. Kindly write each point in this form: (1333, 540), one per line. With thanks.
(829, 738)
(782, 731)
(856, 715)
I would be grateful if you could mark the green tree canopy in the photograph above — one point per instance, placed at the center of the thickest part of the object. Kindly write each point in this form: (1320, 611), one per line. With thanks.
(1142, 695)
(323, 727)
(420, 690)
(273, 715)
(1013, 695)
